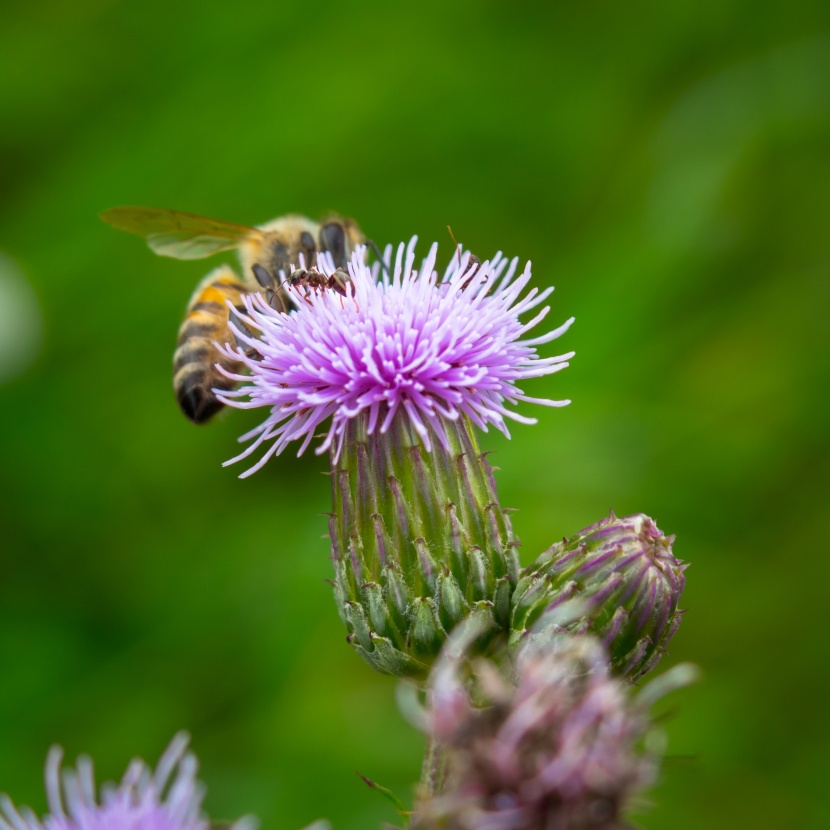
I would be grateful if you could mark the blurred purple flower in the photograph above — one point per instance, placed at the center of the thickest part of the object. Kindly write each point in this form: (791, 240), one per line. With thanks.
(168, 799)
(408, 344)
(561, 747)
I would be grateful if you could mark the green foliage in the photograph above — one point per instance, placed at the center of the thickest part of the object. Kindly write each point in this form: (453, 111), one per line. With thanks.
(665, 166)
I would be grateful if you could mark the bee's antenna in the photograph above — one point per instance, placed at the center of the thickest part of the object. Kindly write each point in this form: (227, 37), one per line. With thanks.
(378, 254)
(457, 246)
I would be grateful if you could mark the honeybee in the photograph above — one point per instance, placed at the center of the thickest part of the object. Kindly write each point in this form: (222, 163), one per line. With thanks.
(265, 253)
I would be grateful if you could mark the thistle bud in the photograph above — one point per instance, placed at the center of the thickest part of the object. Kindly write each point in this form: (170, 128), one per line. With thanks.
(625, 582)
(419, 543)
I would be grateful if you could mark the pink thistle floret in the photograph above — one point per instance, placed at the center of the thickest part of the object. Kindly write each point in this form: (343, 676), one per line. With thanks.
(168, 798)
(400, 343)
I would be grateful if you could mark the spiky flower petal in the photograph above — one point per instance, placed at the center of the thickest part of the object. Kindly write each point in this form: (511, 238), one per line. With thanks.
(626, 581)
(407, 344)
(169, 798)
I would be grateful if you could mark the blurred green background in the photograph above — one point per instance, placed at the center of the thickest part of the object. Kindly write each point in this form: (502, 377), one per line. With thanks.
(666, 166)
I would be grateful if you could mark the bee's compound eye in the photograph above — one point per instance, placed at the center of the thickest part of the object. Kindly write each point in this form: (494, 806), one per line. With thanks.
(333, 240)
(307, 241)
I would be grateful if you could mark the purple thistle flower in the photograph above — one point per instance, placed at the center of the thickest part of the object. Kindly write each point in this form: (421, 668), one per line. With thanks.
(169, 798)
(415, 345)
(402, 364)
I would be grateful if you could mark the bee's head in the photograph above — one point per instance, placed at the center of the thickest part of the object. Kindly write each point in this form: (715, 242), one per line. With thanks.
(280, 245)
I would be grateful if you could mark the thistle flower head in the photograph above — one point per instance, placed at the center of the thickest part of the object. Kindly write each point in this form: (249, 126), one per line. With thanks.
(169, 798)
(400, 343)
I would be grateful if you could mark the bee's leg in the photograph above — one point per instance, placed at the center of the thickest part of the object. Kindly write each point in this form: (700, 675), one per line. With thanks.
(263, 276)
(376, 251)
(266, 280)
(275, 300)
(308, 249)
(333, 240)
(238, 329)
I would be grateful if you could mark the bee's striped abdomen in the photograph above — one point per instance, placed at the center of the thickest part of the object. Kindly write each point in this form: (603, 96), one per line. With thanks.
(194, 362)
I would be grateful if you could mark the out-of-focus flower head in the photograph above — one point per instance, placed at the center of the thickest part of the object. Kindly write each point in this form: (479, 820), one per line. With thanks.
(405, 343)
(558, 746)
(169, 798)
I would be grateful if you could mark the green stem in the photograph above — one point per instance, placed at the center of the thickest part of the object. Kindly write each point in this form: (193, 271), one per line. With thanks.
(434, 770)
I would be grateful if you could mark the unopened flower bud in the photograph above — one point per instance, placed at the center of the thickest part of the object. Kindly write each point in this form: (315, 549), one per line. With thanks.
(625, 583)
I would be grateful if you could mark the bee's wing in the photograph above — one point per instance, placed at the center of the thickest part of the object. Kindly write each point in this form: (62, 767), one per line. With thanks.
(176, 234)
